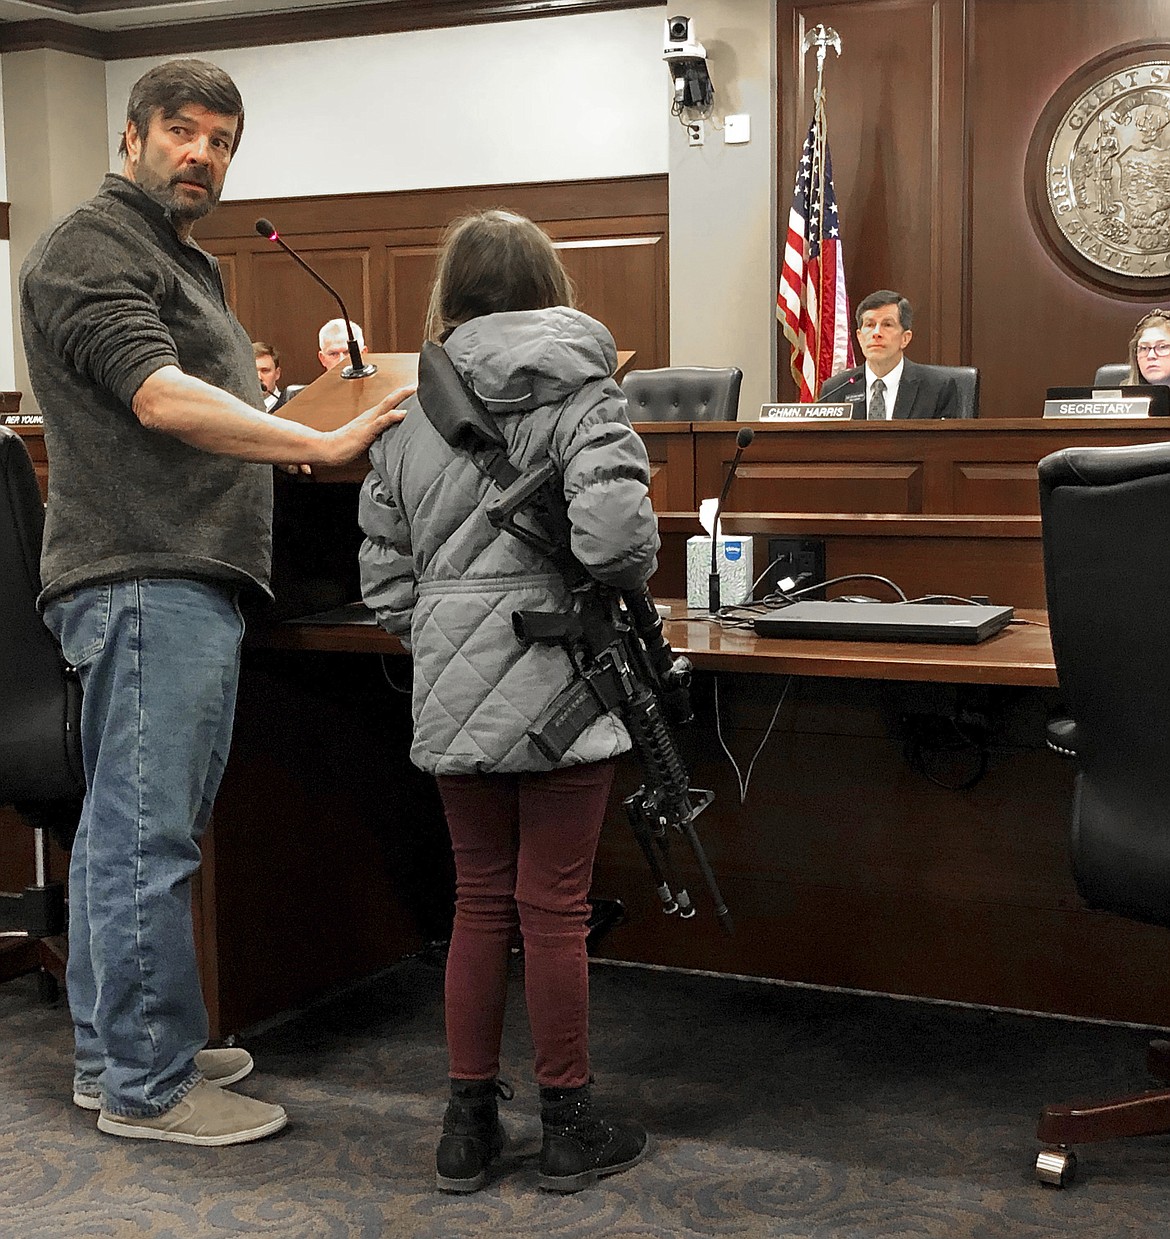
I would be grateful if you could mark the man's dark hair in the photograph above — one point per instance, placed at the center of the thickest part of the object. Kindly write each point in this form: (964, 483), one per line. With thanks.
(887, 296)
(262, 349)
(172, 85)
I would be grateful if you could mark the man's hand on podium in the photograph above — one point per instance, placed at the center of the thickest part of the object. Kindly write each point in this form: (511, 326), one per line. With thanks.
(348, 442)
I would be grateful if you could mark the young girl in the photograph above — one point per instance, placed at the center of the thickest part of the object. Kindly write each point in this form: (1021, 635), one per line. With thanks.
(439, 575)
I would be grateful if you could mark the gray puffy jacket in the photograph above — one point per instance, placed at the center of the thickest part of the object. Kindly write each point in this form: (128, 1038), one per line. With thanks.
(434, 568)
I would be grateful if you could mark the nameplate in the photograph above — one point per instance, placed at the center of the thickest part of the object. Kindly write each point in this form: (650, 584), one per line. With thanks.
(806, 412)
(23, 419)
(1117, 406)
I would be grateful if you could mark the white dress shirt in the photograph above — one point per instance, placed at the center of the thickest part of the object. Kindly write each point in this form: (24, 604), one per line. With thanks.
(891, 380)
(270, 400)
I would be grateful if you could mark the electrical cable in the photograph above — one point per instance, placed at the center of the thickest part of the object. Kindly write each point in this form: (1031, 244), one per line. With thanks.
(741, 615)
(398, 688)
(745, 781)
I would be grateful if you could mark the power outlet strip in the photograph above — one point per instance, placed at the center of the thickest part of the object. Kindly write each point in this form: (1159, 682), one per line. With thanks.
(790, 557)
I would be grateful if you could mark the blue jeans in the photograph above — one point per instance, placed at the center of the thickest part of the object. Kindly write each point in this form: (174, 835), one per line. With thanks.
(159, 663)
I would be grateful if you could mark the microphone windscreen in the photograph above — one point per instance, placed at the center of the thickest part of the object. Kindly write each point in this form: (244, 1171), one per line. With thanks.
(266, 228)
(745, 436)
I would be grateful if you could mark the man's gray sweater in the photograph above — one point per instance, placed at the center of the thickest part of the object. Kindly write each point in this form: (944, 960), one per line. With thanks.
(109, 295)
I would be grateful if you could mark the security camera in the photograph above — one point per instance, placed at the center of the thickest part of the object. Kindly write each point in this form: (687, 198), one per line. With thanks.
(680, 41)
(686, 58)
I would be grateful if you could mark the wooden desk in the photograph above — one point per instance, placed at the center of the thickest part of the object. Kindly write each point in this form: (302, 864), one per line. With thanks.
(845, 866)
(978, 468)
(1019, 655)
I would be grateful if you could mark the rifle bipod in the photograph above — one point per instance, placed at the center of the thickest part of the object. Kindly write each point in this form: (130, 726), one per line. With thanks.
(650, 827)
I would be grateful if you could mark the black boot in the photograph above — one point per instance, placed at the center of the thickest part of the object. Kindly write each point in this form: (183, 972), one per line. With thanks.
(472, 1137)
(580, 1147)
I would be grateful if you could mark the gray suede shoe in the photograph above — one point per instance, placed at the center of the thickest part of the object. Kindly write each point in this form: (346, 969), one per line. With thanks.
(206, 1115)
(219, 1067)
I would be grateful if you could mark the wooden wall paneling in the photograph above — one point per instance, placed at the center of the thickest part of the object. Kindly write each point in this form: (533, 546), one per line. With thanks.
(1035, 323)
(623, 282)
(671, 448)
(427, 209)
(999, 486)
(846, 867)
(823, 486)
(410, 269)
(1006, 570)
(287, 307)
(972, 467)
(896, 120)
(1001, 557)
(379, 251)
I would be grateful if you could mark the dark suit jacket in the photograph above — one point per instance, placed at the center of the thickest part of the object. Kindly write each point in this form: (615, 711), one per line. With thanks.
(286, 395)
(923, 391)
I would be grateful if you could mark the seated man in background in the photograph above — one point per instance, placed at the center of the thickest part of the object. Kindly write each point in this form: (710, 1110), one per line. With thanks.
(888, 385)
(268, 372)
(333, 342)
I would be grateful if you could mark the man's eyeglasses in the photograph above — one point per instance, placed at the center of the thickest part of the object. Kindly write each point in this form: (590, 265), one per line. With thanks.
(1161, 349)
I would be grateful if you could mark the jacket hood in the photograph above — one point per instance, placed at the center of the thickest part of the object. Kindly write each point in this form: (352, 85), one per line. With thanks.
(527, 359)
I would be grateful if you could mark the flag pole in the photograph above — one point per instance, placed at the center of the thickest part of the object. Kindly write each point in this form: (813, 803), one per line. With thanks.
(811, 259)
(822, 38)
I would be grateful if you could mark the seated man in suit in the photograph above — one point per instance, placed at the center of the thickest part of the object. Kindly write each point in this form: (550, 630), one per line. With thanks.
(268, 372)
(333, 342)
(889, 385)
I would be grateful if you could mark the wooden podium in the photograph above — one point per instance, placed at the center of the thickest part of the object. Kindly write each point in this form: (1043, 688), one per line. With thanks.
(331, 401)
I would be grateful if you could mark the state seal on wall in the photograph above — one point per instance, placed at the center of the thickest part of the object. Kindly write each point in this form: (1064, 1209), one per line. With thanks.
(1108, 171)
(1099, 170)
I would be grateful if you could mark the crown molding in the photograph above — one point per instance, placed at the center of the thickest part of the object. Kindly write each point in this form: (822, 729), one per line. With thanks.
(296, 26)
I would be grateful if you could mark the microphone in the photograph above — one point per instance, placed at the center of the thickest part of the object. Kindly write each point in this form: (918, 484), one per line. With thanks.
(745, 436)
(357, 369)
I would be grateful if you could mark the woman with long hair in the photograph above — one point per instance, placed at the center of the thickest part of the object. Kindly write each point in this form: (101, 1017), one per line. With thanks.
(1149, 350)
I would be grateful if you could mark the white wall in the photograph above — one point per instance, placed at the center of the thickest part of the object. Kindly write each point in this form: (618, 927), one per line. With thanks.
(55, 126)
(723, 208)
(561, 98)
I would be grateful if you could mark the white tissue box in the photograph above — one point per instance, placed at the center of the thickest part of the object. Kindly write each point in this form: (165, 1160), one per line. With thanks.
(734, 561)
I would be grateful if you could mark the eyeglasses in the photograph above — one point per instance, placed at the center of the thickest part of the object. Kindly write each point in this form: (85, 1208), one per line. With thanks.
(1161, 349)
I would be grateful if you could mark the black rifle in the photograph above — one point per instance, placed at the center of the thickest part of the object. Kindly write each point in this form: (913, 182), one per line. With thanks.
(614, 638)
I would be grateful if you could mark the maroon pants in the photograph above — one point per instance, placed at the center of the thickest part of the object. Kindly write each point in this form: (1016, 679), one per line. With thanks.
(524, 847)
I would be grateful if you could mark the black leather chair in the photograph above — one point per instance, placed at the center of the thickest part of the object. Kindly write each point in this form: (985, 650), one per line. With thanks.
(1107, 621)
(1114, 374)
(967, 381)
(41, 774)
(683, 394)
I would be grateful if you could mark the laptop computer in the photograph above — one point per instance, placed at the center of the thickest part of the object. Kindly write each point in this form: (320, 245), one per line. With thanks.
(949, 623)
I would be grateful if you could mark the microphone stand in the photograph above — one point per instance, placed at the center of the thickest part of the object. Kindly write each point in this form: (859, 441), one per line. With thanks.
(742, 440)
(357, 369)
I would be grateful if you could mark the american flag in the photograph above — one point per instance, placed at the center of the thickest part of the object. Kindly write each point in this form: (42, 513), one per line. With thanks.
(812, 304)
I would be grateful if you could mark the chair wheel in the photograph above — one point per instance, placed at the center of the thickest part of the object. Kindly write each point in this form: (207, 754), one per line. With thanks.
(1056, 1167)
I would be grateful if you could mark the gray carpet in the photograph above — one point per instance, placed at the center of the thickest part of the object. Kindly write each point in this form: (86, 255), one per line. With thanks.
(774, 1112)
